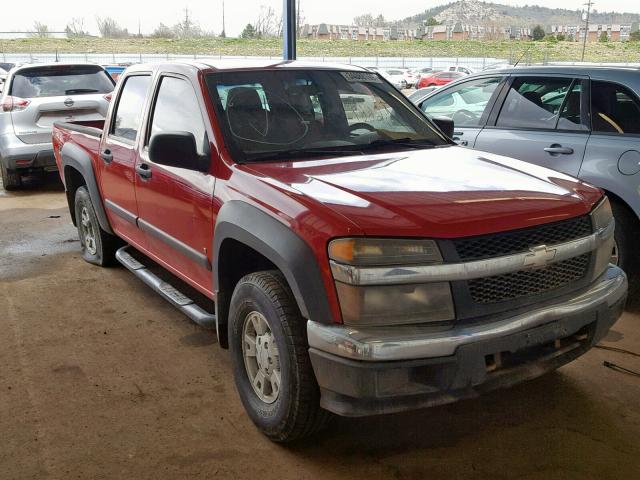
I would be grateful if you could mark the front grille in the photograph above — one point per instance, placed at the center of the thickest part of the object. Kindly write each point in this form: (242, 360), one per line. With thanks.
(487, 246)
(525, 283)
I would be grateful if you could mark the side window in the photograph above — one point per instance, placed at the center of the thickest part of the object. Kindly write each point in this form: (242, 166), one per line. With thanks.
(614, 109)
(570, 118)
(177, 110)
(129, 109)
(536, 103)
(465, 103)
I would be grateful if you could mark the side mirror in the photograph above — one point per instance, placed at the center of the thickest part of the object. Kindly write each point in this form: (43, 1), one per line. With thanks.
(177, 149)
(444, 124)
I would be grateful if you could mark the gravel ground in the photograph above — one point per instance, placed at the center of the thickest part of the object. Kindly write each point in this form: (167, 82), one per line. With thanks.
(100, 378)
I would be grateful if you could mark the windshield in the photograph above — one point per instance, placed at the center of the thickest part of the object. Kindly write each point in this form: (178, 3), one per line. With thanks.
(57, 81)
(270, 114)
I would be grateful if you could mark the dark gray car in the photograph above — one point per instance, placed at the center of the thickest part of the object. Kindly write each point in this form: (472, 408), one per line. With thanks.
(582, 121)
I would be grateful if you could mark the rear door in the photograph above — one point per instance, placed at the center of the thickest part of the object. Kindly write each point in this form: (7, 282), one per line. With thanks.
(467, 104)
(175, 204)
(612, 160)
(118, 156)
(543, 120)
(57, 93)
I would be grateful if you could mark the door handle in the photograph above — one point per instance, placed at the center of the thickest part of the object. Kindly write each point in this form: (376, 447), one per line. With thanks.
(106, 156)
(143, 170)
(463, 143)
(557, 149)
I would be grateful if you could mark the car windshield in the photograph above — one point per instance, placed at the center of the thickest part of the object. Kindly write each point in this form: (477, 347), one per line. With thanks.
(57, 81)
(268, 115)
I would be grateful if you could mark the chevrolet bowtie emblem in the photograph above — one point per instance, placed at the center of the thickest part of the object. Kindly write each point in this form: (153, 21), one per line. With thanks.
(539, 257)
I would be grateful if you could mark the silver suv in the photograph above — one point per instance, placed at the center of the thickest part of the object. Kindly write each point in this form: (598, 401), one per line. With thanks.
(35, 96)
(580, 120)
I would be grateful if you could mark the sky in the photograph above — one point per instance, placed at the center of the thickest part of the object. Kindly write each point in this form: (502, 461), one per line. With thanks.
(56, 14)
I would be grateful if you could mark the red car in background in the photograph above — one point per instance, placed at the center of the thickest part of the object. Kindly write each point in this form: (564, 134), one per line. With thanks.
(438, 79)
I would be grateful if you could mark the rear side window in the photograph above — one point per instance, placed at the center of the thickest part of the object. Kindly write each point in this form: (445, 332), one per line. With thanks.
(538, 103)
(128, 112)
(177, 110)
(614, 109)
(61, 81)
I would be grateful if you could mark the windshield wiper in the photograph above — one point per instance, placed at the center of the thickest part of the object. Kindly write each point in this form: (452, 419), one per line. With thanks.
(401, 142)
(301, 152)
(80, 90)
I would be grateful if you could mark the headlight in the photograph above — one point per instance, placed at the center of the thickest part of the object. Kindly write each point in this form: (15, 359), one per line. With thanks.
(384, 251)
(382, 304)
(602, 214)
(602, 217)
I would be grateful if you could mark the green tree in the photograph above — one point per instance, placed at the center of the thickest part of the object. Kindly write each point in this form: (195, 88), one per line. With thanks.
(248, 32)
(560, 37)
(538, 33)
(432, 22)
(635, 36)
(603, 37)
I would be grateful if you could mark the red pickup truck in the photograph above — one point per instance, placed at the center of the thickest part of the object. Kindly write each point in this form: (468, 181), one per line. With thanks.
(350, 256)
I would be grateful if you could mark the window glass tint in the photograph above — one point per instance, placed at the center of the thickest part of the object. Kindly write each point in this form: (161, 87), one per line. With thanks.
(61, 81)
(614, 109)
(177, 110)
(129, 110)
(268, 113)
(463, 104)
(534, 103)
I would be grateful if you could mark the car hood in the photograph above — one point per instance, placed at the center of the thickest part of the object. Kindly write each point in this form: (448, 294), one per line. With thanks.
(442, 192)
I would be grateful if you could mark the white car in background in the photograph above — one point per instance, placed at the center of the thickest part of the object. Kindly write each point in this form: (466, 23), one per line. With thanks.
(411, 78)
(395, 76)
(459, 68)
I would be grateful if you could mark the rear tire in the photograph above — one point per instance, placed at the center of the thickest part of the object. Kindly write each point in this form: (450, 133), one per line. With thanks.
(98, 246)
(271, 364)
(626, 235)
(11, 179)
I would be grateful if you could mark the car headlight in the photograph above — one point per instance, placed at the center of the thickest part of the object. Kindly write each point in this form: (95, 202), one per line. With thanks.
(603, 223)
(381, 304)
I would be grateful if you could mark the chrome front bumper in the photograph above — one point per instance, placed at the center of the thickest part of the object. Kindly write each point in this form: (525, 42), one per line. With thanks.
(382, 344)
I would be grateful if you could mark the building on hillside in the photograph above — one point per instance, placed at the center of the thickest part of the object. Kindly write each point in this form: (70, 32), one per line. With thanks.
(324, 31)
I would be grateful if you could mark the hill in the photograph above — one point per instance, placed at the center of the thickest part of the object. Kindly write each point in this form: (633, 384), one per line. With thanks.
(476, 12)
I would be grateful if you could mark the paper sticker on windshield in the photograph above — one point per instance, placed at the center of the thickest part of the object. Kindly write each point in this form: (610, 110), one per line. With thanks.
(361, 77)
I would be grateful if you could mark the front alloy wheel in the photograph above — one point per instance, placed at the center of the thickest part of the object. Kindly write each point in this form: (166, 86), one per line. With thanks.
(87, 232)
(261, 357)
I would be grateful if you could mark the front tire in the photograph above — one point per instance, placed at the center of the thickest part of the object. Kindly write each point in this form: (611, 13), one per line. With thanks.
(271, 365)
(98, 246)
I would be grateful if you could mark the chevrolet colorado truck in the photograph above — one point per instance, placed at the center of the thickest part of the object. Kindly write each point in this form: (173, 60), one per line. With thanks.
(350, 256)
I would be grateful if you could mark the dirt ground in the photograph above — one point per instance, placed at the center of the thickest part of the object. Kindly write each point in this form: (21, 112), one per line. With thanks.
(100, 378)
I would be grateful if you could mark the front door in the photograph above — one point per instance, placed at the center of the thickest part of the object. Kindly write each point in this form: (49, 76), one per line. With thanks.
(544, 121)
(175, 204)
(118, 154)
(466, 104)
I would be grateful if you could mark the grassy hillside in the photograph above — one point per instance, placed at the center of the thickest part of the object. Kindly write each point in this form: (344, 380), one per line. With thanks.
(537, 51)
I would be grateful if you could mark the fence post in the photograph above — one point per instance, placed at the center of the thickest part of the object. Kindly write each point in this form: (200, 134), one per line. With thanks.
(403, 65)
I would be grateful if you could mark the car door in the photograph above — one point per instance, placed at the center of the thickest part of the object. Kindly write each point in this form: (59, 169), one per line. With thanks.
(118, 154)
(174, 203)
(612, 159)
(467, 104)
(543, 120)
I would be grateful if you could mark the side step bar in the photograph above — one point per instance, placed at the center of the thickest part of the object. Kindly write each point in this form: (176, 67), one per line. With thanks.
(166, 290)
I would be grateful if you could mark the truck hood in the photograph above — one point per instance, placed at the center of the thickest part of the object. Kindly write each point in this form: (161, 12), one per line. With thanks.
(442, 192)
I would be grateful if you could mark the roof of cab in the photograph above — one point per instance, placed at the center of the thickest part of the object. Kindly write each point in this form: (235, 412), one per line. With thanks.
(244, 64)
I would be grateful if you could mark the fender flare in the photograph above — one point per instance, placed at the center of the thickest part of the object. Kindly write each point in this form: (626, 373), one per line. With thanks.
(73, 156)
(275, 241)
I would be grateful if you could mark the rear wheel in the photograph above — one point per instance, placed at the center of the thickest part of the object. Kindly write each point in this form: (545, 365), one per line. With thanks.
(625, 254)
(98, 246)
(11, 179)
(271, 365)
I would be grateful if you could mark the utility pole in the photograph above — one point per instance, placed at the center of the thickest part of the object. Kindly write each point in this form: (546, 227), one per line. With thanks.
(589, 4)
(187, 24)
(289, 32)
(224, 30)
